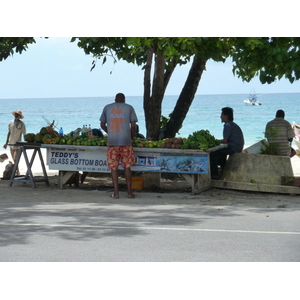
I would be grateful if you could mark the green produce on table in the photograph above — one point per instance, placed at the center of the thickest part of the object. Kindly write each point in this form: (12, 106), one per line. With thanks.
(79, 141)
(46, 137)
(38, 138)
(44, 131)
(29, 137)
(165, 143)
(141, 143)
(201, 139)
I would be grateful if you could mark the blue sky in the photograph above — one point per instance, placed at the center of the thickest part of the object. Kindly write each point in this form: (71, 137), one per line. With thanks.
(55, 67)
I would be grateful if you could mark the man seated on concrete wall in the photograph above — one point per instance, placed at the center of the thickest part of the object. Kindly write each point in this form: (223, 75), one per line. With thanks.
(280, 134)
(232, 136)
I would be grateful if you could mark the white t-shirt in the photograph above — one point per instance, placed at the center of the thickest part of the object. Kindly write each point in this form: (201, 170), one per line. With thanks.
(16, 130)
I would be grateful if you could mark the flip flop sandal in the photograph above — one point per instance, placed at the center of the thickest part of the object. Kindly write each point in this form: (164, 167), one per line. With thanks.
(113, 196)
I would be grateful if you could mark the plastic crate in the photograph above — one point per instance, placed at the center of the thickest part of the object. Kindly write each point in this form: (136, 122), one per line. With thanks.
(137, 183)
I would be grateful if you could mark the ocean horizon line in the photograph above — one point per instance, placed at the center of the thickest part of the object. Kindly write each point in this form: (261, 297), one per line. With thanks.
(82, 97)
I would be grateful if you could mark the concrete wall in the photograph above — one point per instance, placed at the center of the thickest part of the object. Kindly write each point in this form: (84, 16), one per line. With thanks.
(257, 168)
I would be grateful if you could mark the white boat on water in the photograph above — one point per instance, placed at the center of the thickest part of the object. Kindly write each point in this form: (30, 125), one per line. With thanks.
(252, 99)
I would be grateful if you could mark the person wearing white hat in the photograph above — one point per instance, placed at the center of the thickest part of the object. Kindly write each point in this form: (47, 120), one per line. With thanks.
(16, 128)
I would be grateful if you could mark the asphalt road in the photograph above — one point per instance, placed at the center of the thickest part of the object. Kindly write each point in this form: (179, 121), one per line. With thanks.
(104, 232)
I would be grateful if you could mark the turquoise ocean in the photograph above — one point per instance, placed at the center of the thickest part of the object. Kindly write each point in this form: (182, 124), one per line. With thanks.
(204, 113)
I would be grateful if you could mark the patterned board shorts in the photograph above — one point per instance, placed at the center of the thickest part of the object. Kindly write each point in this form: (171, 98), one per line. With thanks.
(117, 153)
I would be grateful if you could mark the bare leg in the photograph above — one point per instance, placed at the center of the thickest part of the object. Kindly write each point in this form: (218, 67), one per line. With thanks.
(14, 154)
(128, 175)
(114, 176)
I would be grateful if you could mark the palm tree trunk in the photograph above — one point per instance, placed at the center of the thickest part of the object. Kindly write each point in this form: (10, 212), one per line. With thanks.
(186, 98)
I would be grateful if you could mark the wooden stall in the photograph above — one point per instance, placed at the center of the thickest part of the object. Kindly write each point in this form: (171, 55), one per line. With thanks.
(69, 160)
(29, 178)
(192, 164)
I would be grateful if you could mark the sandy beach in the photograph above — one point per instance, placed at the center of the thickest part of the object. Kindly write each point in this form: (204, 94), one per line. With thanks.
(174, 189)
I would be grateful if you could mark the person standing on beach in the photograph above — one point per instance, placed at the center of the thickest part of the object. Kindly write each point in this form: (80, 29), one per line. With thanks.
(232, 136)
(118, 120)
(16, 128)
(280, 134)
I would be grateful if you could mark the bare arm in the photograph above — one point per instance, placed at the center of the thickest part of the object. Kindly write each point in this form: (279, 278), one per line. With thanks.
(5, 145)
(133, 129)
(103, 126)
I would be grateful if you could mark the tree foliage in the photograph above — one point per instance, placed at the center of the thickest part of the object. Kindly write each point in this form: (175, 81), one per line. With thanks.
(269, 58)
(135, 50)
(160, 56)
(11, 45)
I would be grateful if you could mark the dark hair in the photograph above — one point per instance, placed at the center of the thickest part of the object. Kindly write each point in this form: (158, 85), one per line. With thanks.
(228, 111)
(280, 113)
(120, 97)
